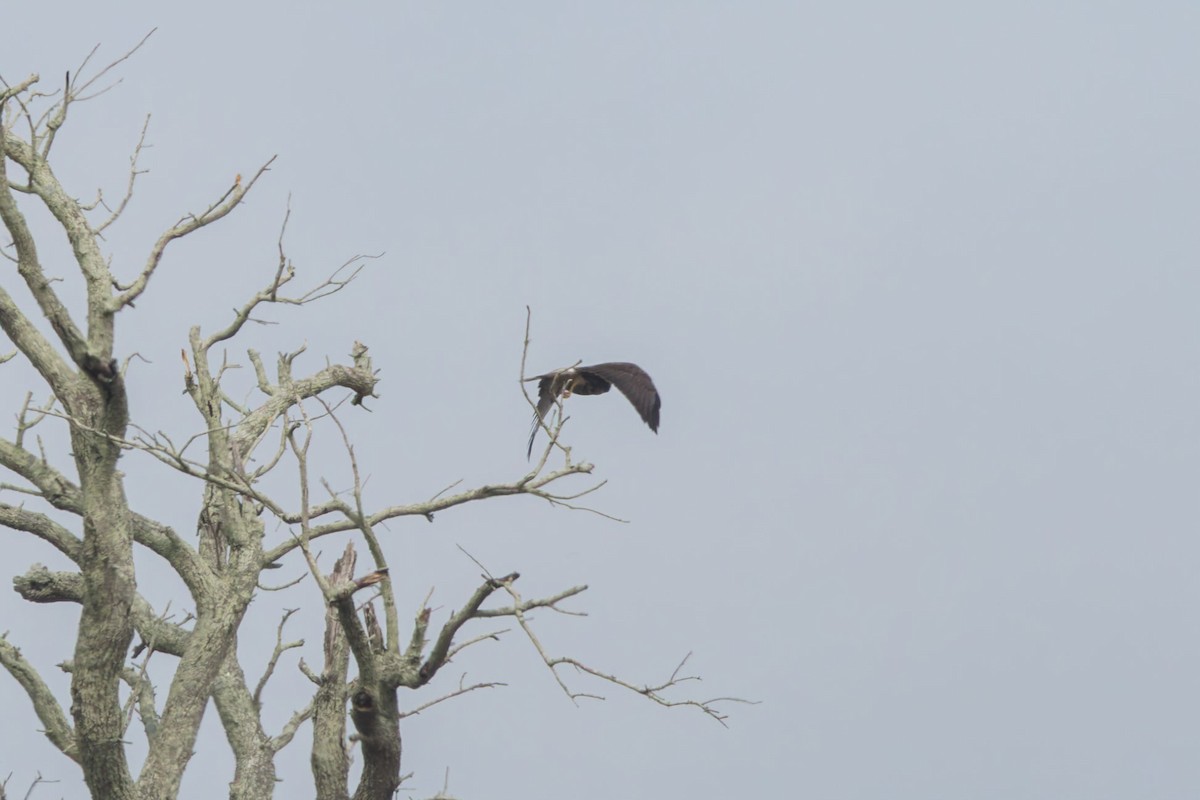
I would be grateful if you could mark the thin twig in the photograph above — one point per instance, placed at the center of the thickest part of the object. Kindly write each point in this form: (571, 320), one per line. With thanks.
(133, 173)
(280, 649)
(456, 693)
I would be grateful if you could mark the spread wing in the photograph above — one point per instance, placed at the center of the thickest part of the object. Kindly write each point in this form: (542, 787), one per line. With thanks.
(631, 379)
(633, 382)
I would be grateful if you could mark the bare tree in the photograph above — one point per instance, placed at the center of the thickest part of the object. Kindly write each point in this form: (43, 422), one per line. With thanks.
(76, 503)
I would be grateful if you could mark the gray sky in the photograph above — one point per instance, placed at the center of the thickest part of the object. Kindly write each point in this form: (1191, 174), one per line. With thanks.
(918, 285)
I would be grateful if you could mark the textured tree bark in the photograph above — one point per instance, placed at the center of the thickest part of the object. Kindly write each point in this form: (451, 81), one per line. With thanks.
(221, 570)
(376, 719)
(330, 761)
(106, 563)
(254, 758)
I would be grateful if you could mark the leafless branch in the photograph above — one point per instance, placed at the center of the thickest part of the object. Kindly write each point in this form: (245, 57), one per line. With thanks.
(41, 585)
(133, 173)
(493, 636)
(529, 484)
(448, 488)
(288, 732)
(141, 697)
(283, 259)
(336, 281)
(15, 323)
(24, 423)
(16, 89)
(281, 586)
(54, 721)
(222, 570)
(36, 782)
(330, 763)
(444, 649)
(249, 430)
(300, 450)
(192, 222)
(655, 692)
(74, 93)
(439, 655)
(77, 90)
(42, 527)
(542, 602)
(519, 615)
(359, 517)
(461, 690)
(280, 649)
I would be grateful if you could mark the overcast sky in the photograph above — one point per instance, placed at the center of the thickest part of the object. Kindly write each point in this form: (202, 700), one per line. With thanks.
(918, 283)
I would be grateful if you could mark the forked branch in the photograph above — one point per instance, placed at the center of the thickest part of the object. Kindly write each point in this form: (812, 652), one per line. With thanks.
(654, 693)
(192, 222)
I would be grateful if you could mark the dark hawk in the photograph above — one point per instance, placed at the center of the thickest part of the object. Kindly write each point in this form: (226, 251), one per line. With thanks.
(631, 379)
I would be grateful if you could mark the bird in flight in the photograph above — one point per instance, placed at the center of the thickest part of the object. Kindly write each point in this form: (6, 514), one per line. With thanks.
(631, 379)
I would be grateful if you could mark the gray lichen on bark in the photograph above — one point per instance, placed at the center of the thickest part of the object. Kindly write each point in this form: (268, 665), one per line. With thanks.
(77, 504)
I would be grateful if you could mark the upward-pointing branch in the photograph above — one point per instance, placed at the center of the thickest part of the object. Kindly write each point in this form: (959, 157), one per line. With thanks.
(192, 222)
(16, 325)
